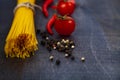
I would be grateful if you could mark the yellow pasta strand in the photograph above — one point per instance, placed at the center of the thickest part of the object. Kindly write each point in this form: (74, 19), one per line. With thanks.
(21, 40)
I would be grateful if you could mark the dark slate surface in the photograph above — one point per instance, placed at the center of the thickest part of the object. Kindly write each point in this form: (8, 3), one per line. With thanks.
(97, 38)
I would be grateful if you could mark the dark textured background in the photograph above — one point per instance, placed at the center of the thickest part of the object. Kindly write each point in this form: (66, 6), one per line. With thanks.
(97, 38)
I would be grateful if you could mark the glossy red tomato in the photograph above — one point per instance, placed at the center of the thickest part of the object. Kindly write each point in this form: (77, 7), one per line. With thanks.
(65, 7)
(64, 26)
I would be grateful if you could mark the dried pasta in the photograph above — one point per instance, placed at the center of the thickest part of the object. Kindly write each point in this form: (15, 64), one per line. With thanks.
(21, 40)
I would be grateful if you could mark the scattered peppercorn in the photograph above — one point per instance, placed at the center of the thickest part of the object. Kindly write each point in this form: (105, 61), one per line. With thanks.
(82, 59)
(51, 58)
(64, 45)
(72, 43)
(54, 47)
(72, 46)
(47, 38)
(69, 54)
(49, 43)
(66, 55)
(49, 48)
(67, 41)
(58, 62)
(43, 43)
(68, 51)
(62, 41)
(72, 58)
(38, 31)
(59, 49)
(58, 43)
(44, 34)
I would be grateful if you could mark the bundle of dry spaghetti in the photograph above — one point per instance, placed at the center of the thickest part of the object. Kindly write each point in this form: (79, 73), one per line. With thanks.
(21, 40)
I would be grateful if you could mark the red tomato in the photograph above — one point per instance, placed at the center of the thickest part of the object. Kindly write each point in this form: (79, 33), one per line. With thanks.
(65, 7)
(64, 26)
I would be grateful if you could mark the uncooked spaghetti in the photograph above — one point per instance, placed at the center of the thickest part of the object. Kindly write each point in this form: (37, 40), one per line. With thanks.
(21, 40)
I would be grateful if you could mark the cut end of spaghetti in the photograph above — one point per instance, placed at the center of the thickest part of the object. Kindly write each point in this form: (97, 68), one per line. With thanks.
(21, 47)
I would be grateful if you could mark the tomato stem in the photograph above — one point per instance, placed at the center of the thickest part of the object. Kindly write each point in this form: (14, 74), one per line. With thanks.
(65, 0)
(62, 17)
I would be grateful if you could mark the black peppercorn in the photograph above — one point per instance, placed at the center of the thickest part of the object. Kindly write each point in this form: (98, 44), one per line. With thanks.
(68, 51)
(49, 43)
(59, 49)
(72, 58)
(41, 33)
(38, 31)
(44, 35)
(57, 62)
(43, 43)
(69, 54)
(49, 48)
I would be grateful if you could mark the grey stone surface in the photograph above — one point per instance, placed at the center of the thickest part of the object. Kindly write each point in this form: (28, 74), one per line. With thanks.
(97, 38)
